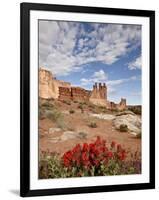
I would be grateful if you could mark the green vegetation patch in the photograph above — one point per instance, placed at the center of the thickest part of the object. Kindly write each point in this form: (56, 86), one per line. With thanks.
(123, 128)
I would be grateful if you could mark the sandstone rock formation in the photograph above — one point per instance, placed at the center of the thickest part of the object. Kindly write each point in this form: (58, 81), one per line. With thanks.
(51, 88)
(73, 93)
(99, 95)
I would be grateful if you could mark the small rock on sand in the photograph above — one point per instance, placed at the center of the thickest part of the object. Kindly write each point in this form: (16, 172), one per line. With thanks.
(67, 135)
(53, 130)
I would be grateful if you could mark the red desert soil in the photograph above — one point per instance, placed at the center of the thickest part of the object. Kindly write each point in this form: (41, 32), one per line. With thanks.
(78, 122)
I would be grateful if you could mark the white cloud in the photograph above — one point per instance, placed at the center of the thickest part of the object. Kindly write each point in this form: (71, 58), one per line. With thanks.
(121, 81)
(65, 46)
(101, 76)
(136, 64)
(98, 76)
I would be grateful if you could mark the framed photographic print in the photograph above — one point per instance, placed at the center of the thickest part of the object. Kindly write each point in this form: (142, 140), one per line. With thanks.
(87, 99)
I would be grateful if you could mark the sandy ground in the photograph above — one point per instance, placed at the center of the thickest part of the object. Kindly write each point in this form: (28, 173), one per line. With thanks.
(78, 122)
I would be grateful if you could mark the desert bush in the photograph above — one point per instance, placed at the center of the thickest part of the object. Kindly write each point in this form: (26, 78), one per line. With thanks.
(70, 128)
(47, 106)
(71, 111)
(92, 125)
(41, 113)
(82, 103)
(136, 109)
(103, 109)
(67, 102)
(115, 110)
(91, 106)
(54, 115)
(61, 124)
(123, 128)
(82, 135)
(50, 166)
(80, 106)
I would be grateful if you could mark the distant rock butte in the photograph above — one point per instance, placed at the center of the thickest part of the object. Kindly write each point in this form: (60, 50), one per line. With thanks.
(51, 88)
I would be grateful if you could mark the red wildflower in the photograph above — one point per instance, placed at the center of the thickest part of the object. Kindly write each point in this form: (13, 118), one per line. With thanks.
(85, 159)
(92, 154)
(77, 148)
(122, 155)
(84, 156)
(98, 141)
(110, 154)
(102, 149)
(85, 147)
(66, 162)
(119, 148)
(113, 144)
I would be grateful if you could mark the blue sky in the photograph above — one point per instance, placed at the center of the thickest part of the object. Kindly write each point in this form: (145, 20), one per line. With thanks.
(85, 53)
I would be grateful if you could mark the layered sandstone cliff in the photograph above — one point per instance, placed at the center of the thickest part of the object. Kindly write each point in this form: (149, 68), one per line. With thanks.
(51, 88)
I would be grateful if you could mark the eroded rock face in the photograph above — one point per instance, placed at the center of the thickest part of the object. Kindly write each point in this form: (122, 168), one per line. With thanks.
(73, 93)
(133, 123)
(98, 95)
(49, 86)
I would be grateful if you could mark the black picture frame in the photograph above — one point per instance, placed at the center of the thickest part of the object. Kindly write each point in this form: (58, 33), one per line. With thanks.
(25, 9)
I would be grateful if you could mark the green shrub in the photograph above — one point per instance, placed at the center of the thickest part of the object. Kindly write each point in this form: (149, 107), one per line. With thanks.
(67, 102)
(82, 135)
(92, 125)
(47, 106)
(61, 124)
(41, 114)
(123, 128)
(51, 167)
(91, 106)
(136, 109)
(102, 109)
(80, 106)
(54, 115)
(70, 128)
(71, 111)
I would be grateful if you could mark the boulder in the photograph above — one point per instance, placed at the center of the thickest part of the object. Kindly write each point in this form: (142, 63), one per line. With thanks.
(133, 123)
(67, 135)
(103, 116)
(126, 112)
